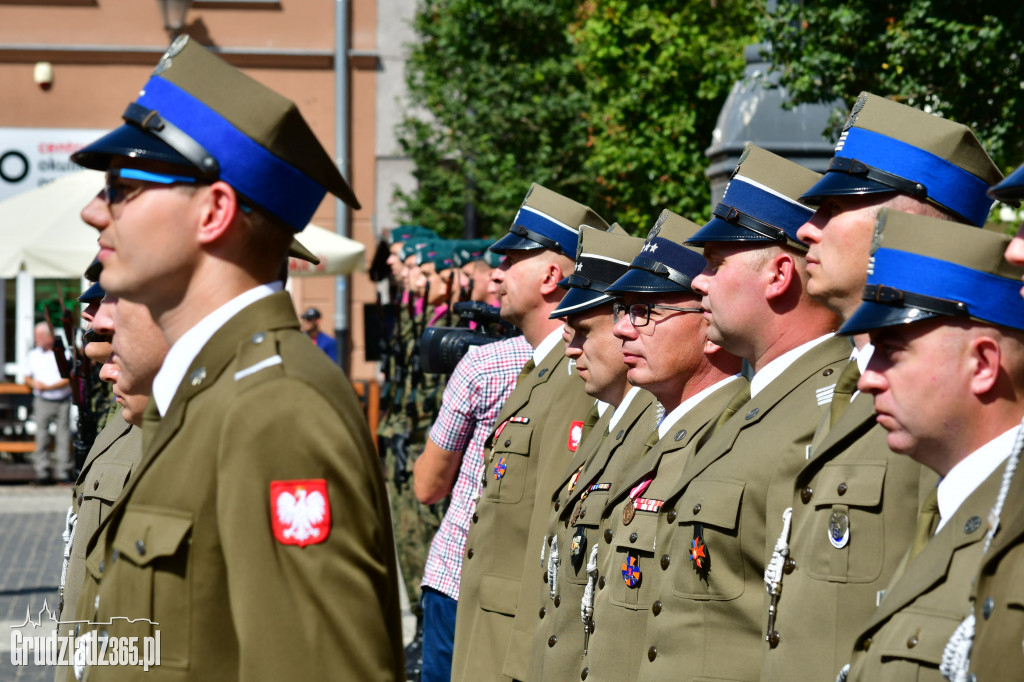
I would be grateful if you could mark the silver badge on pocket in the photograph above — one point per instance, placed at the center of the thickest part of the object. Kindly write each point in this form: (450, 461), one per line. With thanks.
(839, 530)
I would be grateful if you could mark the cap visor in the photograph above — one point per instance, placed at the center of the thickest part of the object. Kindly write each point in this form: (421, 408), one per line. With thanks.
(870, 315)
(513, 242)
(577, 300)
(644, 282)
(127, 141)
(834, 184)
(1010, 190)
(718, 230)
(93, 293)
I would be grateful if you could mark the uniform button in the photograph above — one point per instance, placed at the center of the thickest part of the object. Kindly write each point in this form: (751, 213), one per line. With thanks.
(543, 612)
(789, 566)
(772, 639)
(583, 675)
(806, 494)
(583, 512)
(115, 556)
(81, 499)
(469, 553)
(665, 561)
(696, 508)
(552, 640)
(652, 653)
(987, 607)
(545, 578)
(618, 436)
(258, 337)
(95, 485)
(912, 641)
(558, 600)
(507, 443)
(827, 372)
(671, 516)
(841, 488)
(558, 505)
(608, 535)
(600, 583)
(866, 645)
(476, 517)
(102, 564)
(632, 536)
(656, 608)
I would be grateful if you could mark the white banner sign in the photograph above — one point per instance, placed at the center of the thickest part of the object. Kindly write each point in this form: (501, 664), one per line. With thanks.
(30, 157)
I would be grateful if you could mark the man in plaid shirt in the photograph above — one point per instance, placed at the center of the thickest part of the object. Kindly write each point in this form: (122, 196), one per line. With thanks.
(476, 390)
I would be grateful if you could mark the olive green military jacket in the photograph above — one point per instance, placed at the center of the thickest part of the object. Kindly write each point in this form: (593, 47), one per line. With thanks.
(629, 569)
(998, 652)
(729, 501)
(526, 455)
(574, 516)
(115, 453)
(256, 530)
(832, 579)
(927, 600)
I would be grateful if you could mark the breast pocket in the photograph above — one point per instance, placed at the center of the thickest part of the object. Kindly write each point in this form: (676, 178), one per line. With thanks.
(707, 560)
(153, 565)
(915, 638)
(508, 469)
(103, 485)
(848, 536)
(581, 544)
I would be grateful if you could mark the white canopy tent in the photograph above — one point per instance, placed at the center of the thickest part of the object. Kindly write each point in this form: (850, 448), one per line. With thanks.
(44, 237)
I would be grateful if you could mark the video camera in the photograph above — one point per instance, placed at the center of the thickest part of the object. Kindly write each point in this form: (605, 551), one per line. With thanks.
(441, 348)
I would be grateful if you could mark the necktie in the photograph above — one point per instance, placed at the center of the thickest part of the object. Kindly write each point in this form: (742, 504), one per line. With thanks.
(651, 441)
(527, 368)
(845, 388)
(588, 422)
(927, 520)
(739, 400)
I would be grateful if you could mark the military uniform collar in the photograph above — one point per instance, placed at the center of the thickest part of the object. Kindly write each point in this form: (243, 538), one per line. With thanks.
(185, 350)
(776, 367)
(546, 346)
(620, 410)
(675, 415)
(970, 472)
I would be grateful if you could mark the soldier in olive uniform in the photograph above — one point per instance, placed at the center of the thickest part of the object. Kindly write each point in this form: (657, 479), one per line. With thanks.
(947, 377)
(532, 442)
(720, 518)
(845, 542)
(551, 602)
(666, 351)
(255, 535)
(96, 347)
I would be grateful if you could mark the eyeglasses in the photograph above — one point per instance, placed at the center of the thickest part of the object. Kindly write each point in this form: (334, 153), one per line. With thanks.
(640, 313)
(120, 193)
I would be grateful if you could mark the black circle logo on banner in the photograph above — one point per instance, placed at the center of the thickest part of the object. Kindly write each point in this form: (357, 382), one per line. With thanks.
(13, 166)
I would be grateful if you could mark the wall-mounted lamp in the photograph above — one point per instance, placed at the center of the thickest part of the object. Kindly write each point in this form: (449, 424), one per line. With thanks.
(174, 12)
(42, 74)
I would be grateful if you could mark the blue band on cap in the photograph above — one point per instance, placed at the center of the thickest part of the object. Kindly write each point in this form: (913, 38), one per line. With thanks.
(535, 221)
(948, 185)
(767, 206)
(988, 297)
(262, 177)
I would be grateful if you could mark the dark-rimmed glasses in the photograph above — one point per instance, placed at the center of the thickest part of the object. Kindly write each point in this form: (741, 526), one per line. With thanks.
(640, 313)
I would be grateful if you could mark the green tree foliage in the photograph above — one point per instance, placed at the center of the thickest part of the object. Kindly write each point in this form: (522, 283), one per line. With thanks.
(497, 103)
(657, 74)
(958, 58)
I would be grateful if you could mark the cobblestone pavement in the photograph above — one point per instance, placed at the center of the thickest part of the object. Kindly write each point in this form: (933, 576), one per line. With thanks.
(31, 521)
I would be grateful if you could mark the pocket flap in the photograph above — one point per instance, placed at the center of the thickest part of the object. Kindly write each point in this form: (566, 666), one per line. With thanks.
(916, 636)
(107, 481)
(855, 485)
(499, 593)
(640, 534)
(711, 502)
(514, 438)
(146, 534)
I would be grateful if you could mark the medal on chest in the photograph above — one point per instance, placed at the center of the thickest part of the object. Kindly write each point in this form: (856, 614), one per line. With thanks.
(700, 557)
(631, 569)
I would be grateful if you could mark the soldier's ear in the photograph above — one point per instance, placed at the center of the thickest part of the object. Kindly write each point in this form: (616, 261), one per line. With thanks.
(985, 358)
(782, 274)
(217, 206)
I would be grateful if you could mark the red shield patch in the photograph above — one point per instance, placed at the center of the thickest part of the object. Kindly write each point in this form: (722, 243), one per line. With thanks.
(575, 435)
(300, 511)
